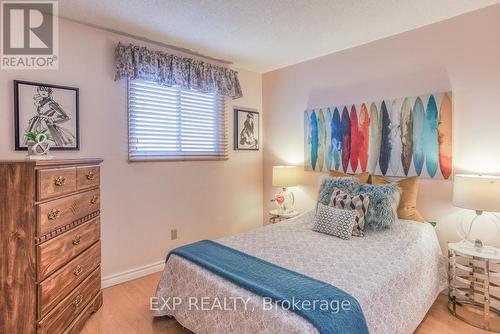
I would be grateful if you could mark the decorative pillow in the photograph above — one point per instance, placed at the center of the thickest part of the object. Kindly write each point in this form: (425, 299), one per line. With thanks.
(409, 191)
(336, 222)
(359, 203)
(384, 201)
(329, 184)
(363, 177)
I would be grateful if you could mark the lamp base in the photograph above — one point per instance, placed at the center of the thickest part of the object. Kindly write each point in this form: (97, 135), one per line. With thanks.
(285, 201)
(477, 244)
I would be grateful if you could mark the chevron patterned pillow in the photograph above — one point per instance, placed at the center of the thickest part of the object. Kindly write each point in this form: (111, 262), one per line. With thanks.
(359, 203)
(334, 221)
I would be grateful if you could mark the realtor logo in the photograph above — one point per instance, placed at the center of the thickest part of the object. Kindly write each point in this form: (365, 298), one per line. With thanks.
(29, 36)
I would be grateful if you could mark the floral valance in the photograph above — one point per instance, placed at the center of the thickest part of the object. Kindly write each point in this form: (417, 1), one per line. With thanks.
(138, 62)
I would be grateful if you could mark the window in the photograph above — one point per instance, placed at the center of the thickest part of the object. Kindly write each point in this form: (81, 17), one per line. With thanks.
(168, 123)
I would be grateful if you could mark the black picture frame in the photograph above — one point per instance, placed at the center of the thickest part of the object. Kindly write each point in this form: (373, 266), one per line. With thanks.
(17, 111)
(239, 145)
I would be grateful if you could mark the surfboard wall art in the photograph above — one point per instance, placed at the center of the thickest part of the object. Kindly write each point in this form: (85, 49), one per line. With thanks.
(393, 137)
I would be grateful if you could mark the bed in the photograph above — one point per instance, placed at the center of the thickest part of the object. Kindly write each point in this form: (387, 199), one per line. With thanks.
(395, 275)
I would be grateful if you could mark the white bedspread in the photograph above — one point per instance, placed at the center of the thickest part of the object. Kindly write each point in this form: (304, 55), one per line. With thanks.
(395, 275)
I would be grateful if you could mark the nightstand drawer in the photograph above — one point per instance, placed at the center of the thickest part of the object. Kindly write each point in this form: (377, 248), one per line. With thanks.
(55, 182)
(56, 252)
(69, 308)
(57, 286)
(88, 177)
(63, 211)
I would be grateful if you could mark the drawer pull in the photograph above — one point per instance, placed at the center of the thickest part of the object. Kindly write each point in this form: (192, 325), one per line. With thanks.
(60, 181)
(90, 176)
(54, 214)
(77, 240)
(78, 270)
(94, 199)
(78, 300)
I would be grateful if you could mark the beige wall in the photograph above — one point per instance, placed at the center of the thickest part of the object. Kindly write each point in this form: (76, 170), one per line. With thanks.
(141, 202)
(462, 55)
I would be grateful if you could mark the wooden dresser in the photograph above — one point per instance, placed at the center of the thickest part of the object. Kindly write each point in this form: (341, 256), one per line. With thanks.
(50, 249)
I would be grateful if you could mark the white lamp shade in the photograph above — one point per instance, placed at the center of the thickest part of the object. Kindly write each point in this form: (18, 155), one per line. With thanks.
(284, 176)
(477, 192)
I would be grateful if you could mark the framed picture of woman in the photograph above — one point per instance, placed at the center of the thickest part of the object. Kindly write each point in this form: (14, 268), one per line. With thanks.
(246, 129)
(43, 107)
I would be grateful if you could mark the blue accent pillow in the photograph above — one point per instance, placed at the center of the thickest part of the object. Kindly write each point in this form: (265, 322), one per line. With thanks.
(333, 221)
(382, 212)
(348, 185)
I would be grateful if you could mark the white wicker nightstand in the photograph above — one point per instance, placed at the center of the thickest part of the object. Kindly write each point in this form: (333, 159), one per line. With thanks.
(474, 285)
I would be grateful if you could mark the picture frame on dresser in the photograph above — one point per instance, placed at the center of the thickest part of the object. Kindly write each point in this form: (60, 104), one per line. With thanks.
(42, 106)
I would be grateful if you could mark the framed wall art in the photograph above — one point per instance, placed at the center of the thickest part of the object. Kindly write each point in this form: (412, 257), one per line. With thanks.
(246, 129)
(44, 107)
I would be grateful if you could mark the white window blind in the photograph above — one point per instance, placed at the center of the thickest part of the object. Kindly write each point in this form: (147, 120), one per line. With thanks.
(168, 123)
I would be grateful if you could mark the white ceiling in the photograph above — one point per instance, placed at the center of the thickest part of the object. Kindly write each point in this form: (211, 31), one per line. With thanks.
(262, 35)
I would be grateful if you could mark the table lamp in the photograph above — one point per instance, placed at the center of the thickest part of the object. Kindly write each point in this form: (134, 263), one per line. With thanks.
(476, 192)
(284, 177)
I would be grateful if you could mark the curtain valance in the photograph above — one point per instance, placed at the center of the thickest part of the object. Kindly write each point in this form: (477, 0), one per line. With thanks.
(138, 62)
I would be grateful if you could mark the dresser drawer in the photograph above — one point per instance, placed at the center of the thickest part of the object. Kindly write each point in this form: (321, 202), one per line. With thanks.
(87, 177)
(63, 211)
(78, 324)
(55, 182)
(54, 253)
(57, 286)
(69, 308)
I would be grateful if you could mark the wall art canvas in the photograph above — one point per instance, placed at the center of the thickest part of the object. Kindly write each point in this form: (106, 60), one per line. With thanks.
(40, 106)
(246, 129)
(393, 137)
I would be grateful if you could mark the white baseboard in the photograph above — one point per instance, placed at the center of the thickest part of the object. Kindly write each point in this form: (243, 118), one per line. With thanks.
(132, 274)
